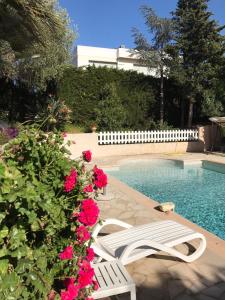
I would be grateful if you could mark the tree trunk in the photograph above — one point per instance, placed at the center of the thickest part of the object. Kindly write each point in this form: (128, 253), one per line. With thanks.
(161, 109)
(182, 107)
(190, 111)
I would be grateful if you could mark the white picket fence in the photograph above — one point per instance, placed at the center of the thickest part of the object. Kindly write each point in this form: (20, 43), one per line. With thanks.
(153, 136)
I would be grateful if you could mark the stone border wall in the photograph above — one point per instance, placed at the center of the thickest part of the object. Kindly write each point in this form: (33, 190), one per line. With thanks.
(86, 141)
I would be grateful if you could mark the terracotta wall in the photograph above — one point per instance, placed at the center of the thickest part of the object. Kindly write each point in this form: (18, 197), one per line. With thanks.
(89, 141)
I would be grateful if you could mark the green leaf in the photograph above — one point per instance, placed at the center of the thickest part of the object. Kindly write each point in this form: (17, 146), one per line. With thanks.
(23, 266)
(17, 237)
(4, 232)
(2, 216)
(10, 281)
(42, 263)
(3, 252)
(2, 170)
(20, 252)
(33, 276)
(3, 266)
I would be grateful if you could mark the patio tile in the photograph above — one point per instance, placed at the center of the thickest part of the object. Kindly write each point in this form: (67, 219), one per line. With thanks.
(221, 286)
(222, 297)
(182, 270)
(177, 287)
(126, 215)
(185, 297)
(204, 297)
(213, 291)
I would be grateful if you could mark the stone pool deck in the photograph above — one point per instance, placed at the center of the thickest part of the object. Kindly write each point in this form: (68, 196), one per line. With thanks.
(160, 277)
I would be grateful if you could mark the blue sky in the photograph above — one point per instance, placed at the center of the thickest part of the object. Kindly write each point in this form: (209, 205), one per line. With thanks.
(108, 23)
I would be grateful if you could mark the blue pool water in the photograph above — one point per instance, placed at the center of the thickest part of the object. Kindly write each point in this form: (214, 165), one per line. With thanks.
(199, 193)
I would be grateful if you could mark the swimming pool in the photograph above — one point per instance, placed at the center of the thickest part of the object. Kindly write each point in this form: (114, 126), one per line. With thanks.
(198, 191)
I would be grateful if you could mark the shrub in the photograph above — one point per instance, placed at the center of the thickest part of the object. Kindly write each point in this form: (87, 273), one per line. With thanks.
(55, 113)
(46, 219)
(110, 113)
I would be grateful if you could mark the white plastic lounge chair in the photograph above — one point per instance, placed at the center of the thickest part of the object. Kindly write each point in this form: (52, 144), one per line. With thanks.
(135, 242)
(113, 279)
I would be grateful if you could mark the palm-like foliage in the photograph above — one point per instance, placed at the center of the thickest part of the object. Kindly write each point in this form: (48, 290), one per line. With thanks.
(24, 21)
(154, 53)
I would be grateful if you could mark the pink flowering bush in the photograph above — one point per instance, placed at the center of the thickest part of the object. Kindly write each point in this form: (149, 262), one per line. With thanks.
(47, 227)
(89, 212)
(100, 178)
(82, 233)
(87, 155)
(70, 181)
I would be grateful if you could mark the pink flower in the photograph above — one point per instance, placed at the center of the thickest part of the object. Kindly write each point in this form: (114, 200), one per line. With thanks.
(87, 155)
(67, 253)
(72, 290)
(83, 234)
(64, 134)
(86, 274)
(70, 181)
(71, 293)
(96, 286)
(69, 281)
(88, 189)
(89, 212)
(90, 254)
(100, 178)
(65, 295)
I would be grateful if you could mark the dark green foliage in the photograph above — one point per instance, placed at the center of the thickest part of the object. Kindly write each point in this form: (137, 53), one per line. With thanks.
(200, 47)
(110, 113)
(82, 91)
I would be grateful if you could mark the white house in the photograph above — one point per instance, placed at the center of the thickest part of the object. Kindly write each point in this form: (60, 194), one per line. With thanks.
(118, 58)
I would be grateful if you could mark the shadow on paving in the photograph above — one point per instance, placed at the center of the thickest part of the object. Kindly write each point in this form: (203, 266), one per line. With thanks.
(203, 284)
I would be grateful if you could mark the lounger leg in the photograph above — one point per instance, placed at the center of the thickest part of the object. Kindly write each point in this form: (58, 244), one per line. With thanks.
(133, 293)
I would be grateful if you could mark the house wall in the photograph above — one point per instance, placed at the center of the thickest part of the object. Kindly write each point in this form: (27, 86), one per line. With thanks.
(120, 58)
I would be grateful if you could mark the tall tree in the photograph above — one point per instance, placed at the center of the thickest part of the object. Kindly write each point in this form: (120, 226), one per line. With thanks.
(154, 53)
(35, 42)
(33, 29)
(23, 22)
(200, 46)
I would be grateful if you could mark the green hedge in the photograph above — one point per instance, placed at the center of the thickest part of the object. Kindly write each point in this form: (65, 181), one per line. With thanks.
(83, 91)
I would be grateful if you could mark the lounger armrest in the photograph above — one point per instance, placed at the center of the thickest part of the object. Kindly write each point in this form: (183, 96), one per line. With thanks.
(127, 252)
(140, 243)
(106, 222)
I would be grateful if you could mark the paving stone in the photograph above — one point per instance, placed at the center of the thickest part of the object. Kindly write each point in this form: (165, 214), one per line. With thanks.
(176, 287)
(221, 286)
(213, 291)
(138, 278)
(183, 248)
(185, 297)
(222, 297)
(157, 281)
(182, 271)
(150, 265)
(126, 215)
(148, 293)
(204, 297)
(196, 287)
(208, 274)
